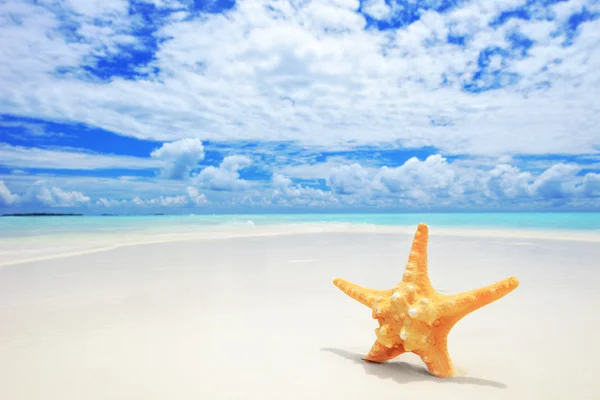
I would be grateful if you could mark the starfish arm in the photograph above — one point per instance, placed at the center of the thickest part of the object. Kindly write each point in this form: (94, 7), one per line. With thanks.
(458, 306)
(380, 353)
(368, 297)
(437, 359)
(416, 270)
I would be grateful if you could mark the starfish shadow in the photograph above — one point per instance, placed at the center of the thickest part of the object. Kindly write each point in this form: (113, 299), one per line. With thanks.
(403, 372)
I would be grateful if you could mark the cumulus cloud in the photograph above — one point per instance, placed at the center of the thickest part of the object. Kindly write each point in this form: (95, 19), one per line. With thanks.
(430, 182)
(6, 197)
(435, 181)
(192, 198)
(286, 194)
(418, 179)
(107, 203)
(508, 181)
(180, 157)
(196, 197)
(591, 185)
(226, 177)
(281, 181)
(43, 195)
(162, 201)
(348, 179)
(557, 182)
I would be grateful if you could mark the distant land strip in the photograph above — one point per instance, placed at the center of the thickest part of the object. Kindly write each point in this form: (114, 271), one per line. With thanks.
(42, 215)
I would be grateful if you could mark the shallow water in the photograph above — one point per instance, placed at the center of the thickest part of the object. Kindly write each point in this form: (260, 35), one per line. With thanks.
(11, 227)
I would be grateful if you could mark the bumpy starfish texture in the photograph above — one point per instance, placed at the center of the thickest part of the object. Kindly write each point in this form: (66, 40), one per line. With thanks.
(414, 317)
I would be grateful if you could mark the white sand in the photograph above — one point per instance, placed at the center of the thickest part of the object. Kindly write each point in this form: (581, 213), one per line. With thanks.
(259, 318)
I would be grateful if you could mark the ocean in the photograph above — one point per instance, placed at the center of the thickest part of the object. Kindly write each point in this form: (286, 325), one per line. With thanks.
(15, 227)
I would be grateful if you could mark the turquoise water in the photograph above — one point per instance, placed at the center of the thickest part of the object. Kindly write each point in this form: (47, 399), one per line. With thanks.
(32, 226)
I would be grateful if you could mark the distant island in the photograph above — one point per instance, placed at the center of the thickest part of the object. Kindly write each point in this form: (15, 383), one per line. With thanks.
(42, 215)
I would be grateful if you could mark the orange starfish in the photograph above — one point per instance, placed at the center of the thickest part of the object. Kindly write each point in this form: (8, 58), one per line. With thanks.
(413, 317)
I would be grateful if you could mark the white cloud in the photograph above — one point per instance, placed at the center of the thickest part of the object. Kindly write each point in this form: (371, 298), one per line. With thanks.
(42, 194)
(107, 203)
(180, 157)
(196, 197)
(226, 177)
(96, 187)
(558, 181)
(311, 170)
(564, 10)
(97, 8)
(31, 157)
(113, 193)
(325, 15)
(286, 194)
(31, 128)
(164, 201)
(6, 197)
(306, 72)
(418, 179)
(346, 4)
(432, 182)
(96, 29)
(280, 181)
(591, 185)
(168, 4)
(295, 73)
(192, 198)
(377, 9)
(507, 180)
(235, 163)
(348, 179)
(437, 182)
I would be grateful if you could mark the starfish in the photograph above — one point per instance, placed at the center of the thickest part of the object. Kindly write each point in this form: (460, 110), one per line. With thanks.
(414, 317)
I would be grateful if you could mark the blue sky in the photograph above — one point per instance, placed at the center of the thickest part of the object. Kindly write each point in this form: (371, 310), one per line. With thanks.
(189, 106)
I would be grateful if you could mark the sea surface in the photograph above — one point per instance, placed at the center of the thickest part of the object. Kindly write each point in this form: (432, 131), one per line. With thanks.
(21, 227)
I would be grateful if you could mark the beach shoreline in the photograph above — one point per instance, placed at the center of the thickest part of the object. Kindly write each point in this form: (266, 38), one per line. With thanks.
(84, 242)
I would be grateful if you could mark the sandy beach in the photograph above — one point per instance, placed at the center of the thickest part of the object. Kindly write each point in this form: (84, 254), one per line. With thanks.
(258, 317)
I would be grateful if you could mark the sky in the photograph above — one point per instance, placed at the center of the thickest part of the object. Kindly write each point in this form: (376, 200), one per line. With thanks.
(207, 106)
